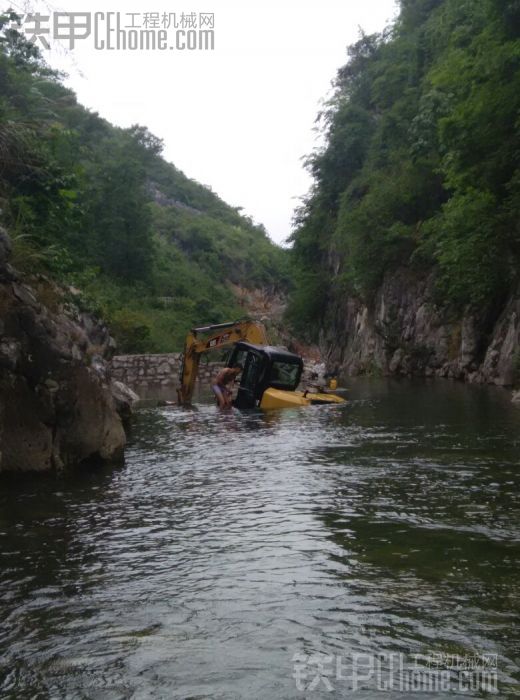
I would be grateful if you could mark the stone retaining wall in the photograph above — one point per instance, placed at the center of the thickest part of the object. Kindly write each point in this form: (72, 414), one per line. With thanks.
(157, 376)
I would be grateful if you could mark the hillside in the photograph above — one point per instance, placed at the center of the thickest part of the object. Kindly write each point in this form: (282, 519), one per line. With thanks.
(407, 248)
(97, 208)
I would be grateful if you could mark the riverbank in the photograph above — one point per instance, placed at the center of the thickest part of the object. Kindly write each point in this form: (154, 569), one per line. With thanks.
(404, 332)
(57, 408)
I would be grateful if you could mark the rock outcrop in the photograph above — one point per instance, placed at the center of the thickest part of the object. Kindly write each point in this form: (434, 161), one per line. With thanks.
(404, 332)
(56, 406)
(125, 399)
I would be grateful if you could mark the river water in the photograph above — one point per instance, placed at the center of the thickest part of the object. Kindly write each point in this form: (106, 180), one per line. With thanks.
(322, 552)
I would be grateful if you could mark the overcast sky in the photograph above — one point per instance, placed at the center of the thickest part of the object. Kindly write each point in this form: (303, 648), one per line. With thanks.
(238, 118)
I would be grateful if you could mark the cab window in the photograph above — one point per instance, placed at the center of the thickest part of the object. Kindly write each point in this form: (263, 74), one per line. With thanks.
(285, 373)
(250, 373)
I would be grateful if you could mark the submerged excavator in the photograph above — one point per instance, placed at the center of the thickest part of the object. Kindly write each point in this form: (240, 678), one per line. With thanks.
(270, 375)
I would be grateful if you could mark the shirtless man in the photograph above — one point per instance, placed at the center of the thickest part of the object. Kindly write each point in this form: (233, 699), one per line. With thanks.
(220, 384)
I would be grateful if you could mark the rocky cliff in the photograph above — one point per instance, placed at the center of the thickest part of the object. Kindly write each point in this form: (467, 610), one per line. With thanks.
(404, 332)
(56, 406)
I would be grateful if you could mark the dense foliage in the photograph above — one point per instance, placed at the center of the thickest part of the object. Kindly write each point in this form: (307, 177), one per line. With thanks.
(97, 207)
(420, 165)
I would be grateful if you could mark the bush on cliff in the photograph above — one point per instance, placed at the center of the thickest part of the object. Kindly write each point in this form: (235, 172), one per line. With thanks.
(420, 165)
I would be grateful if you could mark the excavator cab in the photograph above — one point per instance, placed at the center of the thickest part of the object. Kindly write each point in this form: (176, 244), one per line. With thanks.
(270, 377)
(264, 366)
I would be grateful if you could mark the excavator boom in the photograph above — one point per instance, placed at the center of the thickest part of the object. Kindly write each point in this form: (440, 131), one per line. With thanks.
(206, 338)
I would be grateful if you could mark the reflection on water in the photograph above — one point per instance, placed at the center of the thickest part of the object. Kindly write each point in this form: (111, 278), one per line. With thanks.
(229, 543)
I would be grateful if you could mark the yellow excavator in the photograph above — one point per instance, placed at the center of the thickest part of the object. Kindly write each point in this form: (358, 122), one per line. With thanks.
(270, 375)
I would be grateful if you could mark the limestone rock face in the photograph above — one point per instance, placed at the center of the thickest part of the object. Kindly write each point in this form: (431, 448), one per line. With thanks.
(125, 399)
(56, 405)
(5, 246)
(404, 332)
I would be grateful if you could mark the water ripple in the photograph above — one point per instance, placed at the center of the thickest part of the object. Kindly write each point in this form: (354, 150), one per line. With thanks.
(230, 542)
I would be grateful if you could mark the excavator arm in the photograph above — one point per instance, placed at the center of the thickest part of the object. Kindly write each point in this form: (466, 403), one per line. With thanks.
(206, 338)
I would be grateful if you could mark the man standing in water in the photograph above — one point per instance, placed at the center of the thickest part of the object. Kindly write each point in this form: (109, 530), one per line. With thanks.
(221, 384)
